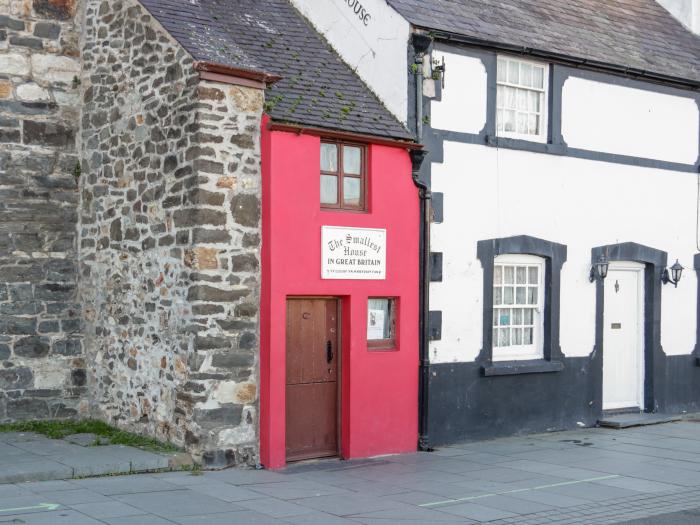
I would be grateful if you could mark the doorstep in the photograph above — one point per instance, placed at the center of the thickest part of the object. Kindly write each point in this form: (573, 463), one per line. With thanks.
(636, 420)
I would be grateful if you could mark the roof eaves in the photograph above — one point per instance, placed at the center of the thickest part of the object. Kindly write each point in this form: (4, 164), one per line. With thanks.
(617, 69)
(237, 72)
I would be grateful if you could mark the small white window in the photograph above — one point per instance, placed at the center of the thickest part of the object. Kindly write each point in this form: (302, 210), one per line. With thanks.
(521, 100)
(518, 307)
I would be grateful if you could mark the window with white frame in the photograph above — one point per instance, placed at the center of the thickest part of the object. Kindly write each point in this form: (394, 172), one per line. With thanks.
(518, 307)
(521, 99)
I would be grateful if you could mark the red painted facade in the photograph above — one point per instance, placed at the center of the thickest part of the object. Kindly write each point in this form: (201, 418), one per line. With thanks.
(379, 389)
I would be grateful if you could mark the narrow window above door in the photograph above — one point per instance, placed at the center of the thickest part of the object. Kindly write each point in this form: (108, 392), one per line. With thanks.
(521, 101)
(343, 176)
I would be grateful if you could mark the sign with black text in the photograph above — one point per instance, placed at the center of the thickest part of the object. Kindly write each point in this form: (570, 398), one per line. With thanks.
(353, 253)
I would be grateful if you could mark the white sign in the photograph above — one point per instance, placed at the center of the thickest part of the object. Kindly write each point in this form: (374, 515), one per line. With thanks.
(353, 253)
(375, 325)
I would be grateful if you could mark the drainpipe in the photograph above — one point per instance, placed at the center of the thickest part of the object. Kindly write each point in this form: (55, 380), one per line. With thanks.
(421, 43)
(425, 195)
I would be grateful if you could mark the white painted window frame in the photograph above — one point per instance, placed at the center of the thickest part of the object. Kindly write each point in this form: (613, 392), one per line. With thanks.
(535, 350)
(544, 102)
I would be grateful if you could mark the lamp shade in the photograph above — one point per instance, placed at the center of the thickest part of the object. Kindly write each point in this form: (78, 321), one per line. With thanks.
(676, 272)
(601, 266)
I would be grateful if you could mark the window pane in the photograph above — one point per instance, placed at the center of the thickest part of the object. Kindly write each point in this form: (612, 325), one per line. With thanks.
(352, 160)
(520, 275)
(520, 295)
(329, 189)
(497, 272)
(518, 316)
(532, 295)
(380, 319)
(533, 271)
(534, 101)
(533, 122)
(497, 297)
(495, 316)
(495, 337)
(510, 100)
(504, 317)
(521, 96)
(509, 122)
(504, 337)
(500, 96)
(522, 123)
(517, 336)
(513, 72)
(499, 120)
(329, 157)
(351, 191)
(527, 316)
(508, 274)
(538, 77)
(508, 295)
(502, 67)
(527, 336)
(526, 75)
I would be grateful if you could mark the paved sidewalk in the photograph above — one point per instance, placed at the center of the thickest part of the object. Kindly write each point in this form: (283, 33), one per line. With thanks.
(26, 456)
(590, 476)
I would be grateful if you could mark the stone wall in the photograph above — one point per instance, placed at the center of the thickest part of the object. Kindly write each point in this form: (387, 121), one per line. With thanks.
(170, 237)
(42, 366)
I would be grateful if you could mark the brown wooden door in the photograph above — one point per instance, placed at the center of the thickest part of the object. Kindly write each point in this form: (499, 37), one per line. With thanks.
(312, 378)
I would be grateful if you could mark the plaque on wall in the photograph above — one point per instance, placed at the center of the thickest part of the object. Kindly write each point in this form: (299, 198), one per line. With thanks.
(353, 253)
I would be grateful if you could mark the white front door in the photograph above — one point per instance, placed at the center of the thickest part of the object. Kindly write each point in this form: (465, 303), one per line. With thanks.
(623, 336)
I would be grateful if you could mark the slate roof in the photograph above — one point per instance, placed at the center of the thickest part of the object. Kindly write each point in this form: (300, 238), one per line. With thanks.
(638, 34)
(317, 88)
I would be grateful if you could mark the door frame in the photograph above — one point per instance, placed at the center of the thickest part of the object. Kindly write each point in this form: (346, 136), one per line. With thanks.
(339, 369)
(654, 262)
(637, 268)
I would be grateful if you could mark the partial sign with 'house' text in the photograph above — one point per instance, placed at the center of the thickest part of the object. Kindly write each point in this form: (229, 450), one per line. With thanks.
(353, 253)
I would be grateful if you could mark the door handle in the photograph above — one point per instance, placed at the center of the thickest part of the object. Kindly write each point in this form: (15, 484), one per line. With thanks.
(329, 351)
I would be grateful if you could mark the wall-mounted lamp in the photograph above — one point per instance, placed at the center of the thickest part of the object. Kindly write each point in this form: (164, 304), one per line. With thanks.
(600, 268)
(674, 276)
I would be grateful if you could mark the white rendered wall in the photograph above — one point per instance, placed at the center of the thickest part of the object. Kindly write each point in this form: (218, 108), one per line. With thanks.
(490, 193)
(462, 109)
(376, 46)
(617, 119)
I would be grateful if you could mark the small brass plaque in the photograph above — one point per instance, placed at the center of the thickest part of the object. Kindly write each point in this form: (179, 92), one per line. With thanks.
(616, 326)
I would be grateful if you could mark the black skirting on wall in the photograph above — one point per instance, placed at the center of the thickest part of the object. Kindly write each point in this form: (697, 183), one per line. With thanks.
(682, 385)
(466, 406)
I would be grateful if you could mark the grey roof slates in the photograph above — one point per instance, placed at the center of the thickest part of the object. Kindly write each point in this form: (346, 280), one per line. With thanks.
(271, 36)
(638, 34)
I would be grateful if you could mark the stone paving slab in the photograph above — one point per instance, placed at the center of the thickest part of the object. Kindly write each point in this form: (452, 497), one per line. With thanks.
(27, 456)
(588, 477)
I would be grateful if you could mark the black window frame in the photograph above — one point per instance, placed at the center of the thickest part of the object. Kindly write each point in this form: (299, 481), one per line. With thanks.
(554, 255)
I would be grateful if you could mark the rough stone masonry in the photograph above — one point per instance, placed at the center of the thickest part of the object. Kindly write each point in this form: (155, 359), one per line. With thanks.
(42, 361)
(162, 213)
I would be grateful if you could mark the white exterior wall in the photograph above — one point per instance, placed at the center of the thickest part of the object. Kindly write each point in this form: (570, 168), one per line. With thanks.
(465, 110)
(491, 192)
(376, 47)
(627, 121)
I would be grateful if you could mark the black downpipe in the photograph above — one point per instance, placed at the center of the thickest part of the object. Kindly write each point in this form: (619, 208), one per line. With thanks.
(425, 195)
(421, 44)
